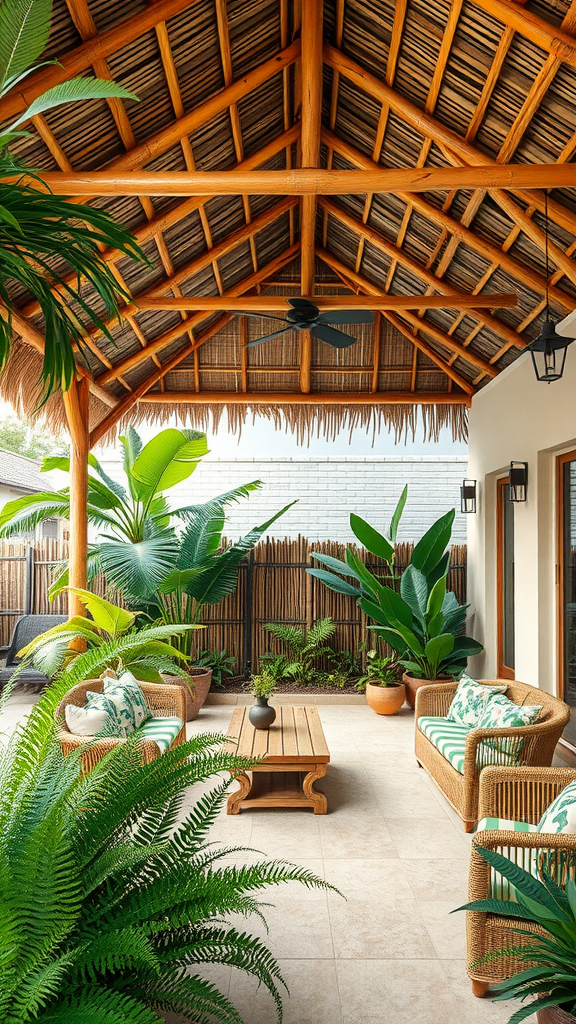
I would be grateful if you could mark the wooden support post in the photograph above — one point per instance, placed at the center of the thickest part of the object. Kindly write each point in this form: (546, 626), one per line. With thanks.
(76, 404)
(311, 78)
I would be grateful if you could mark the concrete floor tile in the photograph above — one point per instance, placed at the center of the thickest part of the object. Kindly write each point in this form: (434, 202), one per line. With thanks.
(474, 1010)
(312, 996)
(424, 839)
(387, 928)
(395, 992)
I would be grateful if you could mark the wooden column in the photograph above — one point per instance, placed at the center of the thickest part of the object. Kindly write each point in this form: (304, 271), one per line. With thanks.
(311, 78)
(76, 403)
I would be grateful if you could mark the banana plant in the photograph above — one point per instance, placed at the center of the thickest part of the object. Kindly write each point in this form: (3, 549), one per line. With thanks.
(39, 230)
(423, 622)
(111, 631)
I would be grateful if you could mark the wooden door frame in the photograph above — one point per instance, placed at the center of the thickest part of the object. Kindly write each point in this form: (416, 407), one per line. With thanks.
(503, 671)
(561, 461)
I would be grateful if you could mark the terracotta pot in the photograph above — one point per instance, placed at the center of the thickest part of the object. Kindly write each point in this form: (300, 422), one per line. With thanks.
(261, 714)
(196, 685)
(386, 700)
(412, 684)
(554, 1015)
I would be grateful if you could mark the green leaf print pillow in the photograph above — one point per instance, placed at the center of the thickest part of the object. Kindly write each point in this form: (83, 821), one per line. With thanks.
(470, 700)
(560, 817)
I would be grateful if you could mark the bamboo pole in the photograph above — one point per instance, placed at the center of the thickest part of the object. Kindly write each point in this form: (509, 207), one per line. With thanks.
(76, 402)
(310, 182)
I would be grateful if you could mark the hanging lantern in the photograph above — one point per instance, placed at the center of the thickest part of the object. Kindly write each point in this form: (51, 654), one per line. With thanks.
(548, 353)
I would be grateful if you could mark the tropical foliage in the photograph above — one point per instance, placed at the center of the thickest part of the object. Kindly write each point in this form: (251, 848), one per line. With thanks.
(146, 651)
(551, 976)
(43, 237)
(303, 649)
(381, 670)
(263, 684)
(220, 662)
(167, 563)
(117, 922)
(420, 620)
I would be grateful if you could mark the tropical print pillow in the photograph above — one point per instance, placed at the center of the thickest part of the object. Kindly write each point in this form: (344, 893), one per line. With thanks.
(501, 713)
(99, 717)
(560, 817)
(129, 702)
(470, 700)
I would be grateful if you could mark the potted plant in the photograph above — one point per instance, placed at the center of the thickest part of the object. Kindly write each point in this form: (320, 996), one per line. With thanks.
(167, 564)
(550, 958)
(261, 686)
(419, 618)
(384, 693)
(220, 663)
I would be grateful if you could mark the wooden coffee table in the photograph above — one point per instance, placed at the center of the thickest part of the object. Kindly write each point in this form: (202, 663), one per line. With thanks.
(293, 753)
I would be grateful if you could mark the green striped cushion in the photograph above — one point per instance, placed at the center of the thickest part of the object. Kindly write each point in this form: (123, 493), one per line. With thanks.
(448, 737)
(501, 888)
(162, 730)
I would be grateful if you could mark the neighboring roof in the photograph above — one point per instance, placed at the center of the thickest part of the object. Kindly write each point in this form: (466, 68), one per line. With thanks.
(406, 85)
(21, 473)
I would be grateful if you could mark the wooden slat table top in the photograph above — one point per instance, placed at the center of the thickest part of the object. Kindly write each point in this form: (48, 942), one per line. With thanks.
(295, 737)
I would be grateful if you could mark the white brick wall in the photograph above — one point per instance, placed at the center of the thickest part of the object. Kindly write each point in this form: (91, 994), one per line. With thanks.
(328, 489)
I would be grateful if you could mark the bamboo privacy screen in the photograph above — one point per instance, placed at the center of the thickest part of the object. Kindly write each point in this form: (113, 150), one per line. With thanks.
(273, 586)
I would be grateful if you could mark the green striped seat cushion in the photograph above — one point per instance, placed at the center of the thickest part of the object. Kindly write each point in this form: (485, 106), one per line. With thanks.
(162, 730)
(448, 737)
(501, 888)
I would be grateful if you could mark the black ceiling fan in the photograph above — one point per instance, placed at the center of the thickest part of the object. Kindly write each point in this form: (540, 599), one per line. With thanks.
(305, 316)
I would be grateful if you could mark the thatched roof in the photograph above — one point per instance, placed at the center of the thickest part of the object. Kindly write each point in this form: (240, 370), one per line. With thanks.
(405, 85)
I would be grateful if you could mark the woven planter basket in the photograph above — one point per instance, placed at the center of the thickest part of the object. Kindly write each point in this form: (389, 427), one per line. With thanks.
(195, 685)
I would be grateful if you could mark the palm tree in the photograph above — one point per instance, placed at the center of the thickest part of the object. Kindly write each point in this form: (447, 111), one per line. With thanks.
(43, 237)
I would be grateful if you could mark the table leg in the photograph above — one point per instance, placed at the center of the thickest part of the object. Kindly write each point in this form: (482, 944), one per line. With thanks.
(318, 800)
(236, 798)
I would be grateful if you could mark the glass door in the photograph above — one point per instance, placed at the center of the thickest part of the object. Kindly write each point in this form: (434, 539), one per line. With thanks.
(505, 579)
(566, 579)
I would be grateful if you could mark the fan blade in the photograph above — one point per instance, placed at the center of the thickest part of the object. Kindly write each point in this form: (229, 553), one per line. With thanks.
(259, 316)
(347, 316)
(305, 305)
(335, 338)
(267, 337)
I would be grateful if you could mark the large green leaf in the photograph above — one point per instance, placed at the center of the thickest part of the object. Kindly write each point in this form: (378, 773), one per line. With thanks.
(367, 579)
(24, 513)
(395, 608)
(397, 515)
(431, 547)
(335, 564)
(438, 648)
(436, 599)
(335, 583)
(71, 91)
(221, 577)
(466, 647)
(414, 591)
(214, 506)
(131, 448)
(371, 539)
(138, 569)
(108, 617)
(167, 460)
(24, 31)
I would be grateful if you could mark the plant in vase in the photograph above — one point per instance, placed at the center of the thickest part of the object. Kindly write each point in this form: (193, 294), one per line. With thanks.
(421, 621)
(550, 953)
(261, 686)
(167, 563)
(384, 692)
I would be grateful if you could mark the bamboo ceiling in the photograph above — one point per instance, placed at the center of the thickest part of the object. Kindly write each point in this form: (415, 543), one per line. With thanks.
(236, 84)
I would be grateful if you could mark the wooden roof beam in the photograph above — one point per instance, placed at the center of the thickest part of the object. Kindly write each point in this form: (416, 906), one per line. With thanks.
(174, 333)
(518, 177)
(311, 125)
(315, 398)
(279, 303)
(463, 151)
(371, 289)
(87, 54)
(546, 35)
(483, 246)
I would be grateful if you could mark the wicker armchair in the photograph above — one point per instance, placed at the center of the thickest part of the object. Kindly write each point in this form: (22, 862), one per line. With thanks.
(164, 701)
(515, 794)
(537, 747)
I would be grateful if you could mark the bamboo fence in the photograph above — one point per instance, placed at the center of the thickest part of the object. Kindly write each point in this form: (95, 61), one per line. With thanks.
(273, 586)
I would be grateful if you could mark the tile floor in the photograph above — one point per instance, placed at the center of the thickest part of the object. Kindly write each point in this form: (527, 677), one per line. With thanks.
(390, 953)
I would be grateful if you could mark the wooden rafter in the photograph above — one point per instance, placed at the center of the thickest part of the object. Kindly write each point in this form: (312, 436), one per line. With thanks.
(547, 36)
(311, 117)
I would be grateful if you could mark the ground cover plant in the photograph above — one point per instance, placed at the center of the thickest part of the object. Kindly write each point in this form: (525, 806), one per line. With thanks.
(115, 925)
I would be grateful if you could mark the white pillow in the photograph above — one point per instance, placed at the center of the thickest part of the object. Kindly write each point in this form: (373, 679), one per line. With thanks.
(560, 817)
(470, 700)
(98, 718)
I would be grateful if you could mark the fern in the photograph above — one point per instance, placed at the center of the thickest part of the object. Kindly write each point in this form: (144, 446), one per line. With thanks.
(304, 648)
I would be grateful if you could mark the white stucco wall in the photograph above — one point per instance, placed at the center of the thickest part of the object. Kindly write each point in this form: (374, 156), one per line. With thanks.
(517, 418)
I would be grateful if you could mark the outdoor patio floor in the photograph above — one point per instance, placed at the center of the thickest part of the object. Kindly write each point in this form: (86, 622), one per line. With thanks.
(390, 953)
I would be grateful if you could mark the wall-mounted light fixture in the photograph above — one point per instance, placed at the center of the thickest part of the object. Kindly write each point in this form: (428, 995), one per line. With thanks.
(518, 474)
(468, 496)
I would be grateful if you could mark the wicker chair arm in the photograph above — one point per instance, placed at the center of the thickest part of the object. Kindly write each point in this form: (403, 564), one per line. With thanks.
(520, 793)
(164, 700)
(433, 701)
(535, 733)
(505, 842)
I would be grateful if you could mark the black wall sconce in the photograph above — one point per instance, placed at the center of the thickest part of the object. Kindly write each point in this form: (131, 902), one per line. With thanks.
(468, 496)
(518, 481)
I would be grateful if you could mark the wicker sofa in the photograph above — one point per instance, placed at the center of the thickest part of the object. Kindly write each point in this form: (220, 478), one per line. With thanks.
(515, 794)
(536, 743)
(163, 700)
